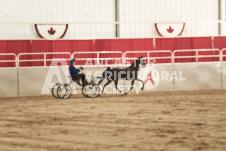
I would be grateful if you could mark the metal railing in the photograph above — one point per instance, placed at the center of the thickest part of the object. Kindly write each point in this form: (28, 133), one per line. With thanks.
(98, 59)
(151, 59)
(44, 60)
(11, 60)
(167, 54)
(222, 54)
(196, 56)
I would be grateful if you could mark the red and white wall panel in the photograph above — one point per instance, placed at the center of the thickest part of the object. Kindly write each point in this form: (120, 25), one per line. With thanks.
(95, 19)
(192, 12)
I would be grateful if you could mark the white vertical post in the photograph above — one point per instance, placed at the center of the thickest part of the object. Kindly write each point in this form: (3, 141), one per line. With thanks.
(197, 56)
(172, 57)
(44, 59)
(98, 58)
(16, 62)
(148, 57)
(124, 57)
(222, 13)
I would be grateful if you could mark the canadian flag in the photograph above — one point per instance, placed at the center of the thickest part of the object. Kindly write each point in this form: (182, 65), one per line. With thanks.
(51, 31)
(169, 29)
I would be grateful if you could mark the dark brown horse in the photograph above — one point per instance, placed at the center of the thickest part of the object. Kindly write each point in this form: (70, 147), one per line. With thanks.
(130, 73)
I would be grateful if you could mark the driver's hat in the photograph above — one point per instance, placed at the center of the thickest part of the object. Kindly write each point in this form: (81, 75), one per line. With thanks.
(72, 60)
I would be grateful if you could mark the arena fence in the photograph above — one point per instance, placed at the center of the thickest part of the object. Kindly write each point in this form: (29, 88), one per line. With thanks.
(8, 60)
(98, 58)
(46, 58)
(204, 69)
(196, 55)
(151, 57)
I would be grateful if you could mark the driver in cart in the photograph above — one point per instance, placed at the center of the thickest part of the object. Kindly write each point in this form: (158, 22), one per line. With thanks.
(75, 73)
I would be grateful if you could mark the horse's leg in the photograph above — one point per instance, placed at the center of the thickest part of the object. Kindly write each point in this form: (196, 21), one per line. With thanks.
(100, 80)
(106, 85)
(116, 86)
(142, 83)
(132, 83)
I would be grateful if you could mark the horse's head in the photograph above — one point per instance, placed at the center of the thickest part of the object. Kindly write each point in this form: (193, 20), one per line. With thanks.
(139, 61)
(142, 62)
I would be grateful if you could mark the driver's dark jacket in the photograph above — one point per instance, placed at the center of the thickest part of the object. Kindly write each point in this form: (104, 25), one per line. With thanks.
(73, 71)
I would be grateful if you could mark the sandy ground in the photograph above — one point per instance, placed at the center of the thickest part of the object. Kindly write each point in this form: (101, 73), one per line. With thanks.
(163, 121)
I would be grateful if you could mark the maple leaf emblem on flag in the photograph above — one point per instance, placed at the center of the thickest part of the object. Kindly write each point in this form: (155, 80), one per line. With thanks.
(51, 31)
(170, 29)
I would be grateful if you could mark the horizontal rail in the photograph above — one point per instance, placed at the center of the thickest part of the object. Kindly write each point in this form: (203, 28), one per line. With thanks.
(85, 52)
(150, 58)
(222, 54)
(44, 60)
(149, 53)
(203, 56)
(41, 53)
(196, 56)
(97, 58)
(122, 56)
(8, 61)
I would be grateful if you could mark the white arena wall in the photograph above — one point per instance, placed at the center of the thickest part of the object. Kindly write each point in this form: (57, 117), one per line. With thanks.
(97, 18)
(8, 82)
(223, 74)
(199, 76)
(29, 81)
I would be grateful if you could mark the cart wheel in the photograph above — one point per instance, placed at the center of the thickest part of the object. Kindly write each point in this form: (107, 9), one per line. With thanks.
(68, 91)
(85, 90)
(97, 91)
(64, 91)
(54, 90)
(91, 90)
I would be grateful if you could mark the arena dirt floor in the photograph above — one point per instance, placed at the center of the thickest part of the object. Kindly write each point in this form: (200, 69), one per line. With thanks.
(157, 121)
